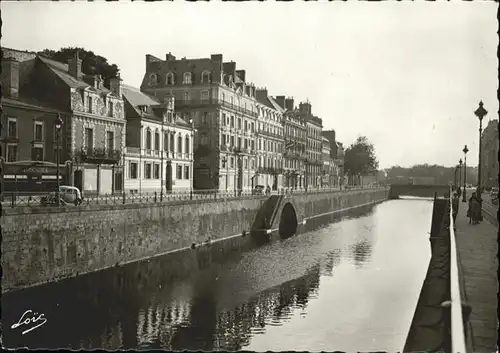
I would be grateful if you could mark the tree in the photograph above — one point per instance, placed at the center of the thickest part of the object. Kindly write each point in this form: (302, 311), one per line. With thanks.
(92, 64)
(359, 158)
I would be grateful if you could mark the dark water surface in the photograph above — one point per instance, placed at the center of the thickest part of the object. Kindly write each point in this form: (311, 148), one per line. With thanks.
(351, 285)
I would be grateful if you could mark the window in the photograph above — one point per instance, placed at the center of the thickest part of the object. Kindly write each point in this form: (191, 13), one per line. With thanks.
(110, 108)
(37, 153)
(204, 139)
(179, 144)
(246, 125)
(239, 142)
(186, 172)
(205, 77)
(89, 139)
(204, 97)
(147, 170)
(187, 78)
(156, 171)
(172, 142)
(153, 80)
(148, 139)
(170, 79)
(165, 141)
(232, 141)
(38, 133)
(12, 126)
(11, 153)
(245, 163)
(179, 172)
(223, 140)
(89, 104)
(157, 140)
(110, 141)
(223, 119)
(239, 123)
(186, 96)
(186, 147)
(133, 170)
(232, 121)
(246, 143)
(204, 118)
(232, 162)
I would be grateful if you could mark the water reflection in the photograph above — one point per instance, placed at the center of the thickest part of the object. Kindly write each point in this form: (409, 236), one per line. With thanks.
(266, 298)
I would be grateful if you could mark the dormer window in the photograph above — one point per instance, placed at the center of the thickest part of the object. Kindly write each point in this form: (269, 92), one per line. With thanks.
(170, 79)
(153, 80)
(187, 78)
(205, 77)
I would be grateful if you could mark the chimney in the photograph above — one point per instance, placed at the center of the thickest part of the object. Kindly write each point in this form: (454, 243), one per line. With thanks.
(305, 108)
(10, 77)
(241, 74)
(216, 57)
(151, 59)
(115, 86)
(97, 81)
(281, 101)
(170, 57)
(75, 66)
(289, 104)
(261, 94)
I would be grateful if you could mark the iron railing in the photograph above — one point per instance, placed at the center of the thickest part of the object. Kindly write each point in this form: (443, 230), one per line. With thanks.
(458, 342)
(46, 199)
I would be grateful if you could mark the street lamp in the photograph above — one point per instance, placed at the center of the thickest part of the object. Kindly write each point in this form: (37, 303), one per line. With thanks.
(225, 165)
(480, 113)
(58, 124)
(465, 150)
(460, 173)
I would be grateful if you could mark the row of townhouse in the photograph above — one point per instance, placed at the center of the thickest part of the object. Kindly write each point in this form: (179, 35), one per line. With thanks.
(103, 140)
(243, 136)
(192, 124)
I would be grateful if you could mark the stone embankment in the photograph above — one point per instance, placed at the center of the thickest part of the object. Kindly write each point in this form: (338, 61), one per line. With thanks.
(47, 244)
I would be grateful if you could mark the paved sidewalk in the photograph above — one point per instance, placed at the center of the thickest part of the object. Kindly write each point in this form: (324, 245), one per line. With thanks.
(477, 250)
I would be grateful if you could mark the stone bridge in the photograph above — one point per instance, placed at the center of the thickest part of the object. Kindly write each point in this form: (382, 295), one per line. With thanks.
(417, 190)
(286, 215)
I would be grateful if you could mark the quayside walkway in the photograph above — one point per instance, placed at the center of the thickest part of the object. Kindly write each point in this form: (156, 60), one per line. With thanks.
(477, 251)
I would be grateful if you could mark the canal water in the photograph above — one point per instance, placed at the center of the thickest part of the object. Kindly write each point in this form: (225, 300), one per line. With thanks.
(351, 285)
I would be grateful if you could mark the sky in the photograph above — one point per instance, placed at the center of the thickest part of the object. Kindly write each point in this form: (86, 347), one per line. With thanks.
(407, 75)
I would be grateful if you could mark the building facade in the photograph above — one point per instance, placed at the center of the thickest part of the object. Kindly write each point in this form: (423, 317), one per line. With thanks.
(329, 171)
(222, 105)
(159, 145)
(489, 162)
(314, 145)
(93, 122)
(270, 141)
(295, 137)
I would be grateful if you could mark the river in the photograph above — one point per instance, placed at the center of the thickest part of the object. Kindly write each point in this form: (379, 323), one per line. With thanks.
(351, 285)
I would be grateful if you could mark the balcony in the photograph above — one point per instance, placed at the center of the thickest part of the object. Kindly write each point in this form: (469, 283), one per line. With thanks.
(200, 103)
(270, 170)
(98, 155)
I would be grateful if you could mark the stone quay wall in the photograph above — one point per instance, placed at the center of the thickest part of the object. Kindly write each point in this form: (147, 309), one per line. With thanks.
(48, 244)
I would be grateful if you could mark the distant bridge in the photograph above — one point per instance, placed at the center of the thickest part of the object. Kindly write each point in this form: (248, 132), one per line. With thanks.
(398, 190)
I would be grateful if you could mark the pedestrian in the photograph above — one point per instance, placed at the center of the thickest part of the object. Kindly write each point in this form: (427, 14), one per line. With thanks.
(474, 211)
(454, 203)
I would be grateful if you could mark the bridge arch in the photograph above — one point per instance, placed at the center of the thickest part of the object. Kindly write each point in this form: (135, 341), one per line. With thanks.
(288, 221)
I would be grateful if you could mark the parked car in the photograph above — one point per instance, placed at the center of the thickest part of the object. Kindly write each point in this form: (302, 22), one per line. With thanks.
(494, 192)
(258, 190)
(68, 195)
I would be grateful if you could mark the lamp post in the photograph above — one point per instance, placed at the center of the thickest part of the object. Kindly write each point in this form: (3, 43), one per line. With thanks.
(465, 150)
(456, 182)
(459, 166)
(224, 165)
(480, 113)
(58, 124)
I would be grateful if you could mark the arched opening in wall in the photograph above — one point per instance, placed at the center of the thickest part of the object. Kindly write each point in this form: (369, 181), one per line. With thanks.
(288, 221)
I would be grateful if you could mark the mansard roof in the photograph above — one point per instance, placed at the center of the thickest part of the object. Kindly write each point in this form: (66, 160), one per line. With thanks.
(62, 71)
